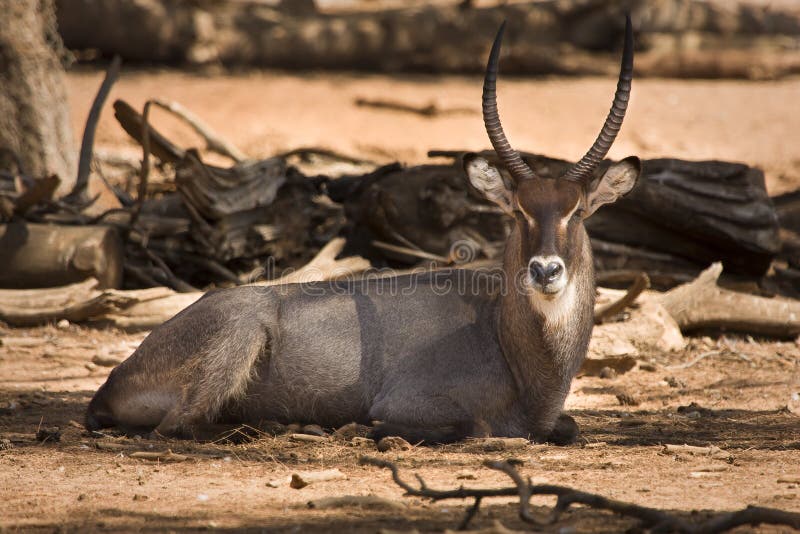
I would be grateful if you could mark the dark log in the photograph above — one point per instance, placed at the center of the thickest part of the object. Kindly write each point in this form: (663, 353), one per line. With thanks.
(39, 255)
(705, 211)
(427, 208)
(788, 208)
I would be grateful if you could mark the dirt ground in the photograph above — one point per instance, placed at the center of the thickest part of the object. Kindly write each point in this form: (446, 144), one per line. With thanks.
(740, 389)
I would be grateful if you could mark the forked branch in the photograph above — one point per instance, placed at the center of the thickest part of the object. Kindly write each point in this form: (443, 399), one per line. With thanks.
(651, 518)
(213, 140)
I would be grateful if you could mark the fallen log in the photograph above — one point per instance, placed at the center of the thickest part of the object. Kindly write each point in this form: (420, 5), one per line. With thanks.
(703, 304)
(143, 309)
(77, 303)
(39, 255)
(685, 38)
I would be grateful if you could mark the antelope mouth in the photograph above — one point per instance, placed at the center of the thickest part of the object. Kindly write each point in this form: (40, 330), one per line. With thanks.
(549, 291)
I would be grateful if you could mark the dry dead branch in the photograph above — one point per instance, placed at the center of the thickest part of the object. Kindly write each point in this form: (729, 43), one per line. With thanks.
(87, 143)
(408, 251)
(165, 456)
(652, 518)
(696, 360)
(694, 450)
(429, 110)
(77, 303)
(308, 438)
(612, 309)
(703, 304)
(301, 480)
(324, 266)
(213, 140)
(131, 121)
(305, 152)
(144, 173)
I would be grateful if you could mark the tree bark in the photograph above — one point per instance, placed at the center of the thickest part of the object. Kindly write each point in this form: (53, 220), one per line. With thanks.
(41, 255)
(34, 117)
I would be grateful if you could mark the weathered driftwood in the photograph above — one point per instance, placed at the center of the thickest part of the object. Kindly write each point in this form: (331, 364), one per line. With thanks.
(76, 303)
(145, 308)
(427, 208)
(39, 255)
(217, 192)
(324, 266)
(646, 325)
(703, 304)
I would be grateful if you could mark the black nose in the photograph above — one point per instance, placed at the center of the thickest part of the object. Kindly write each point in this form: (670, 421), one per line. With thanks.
(545, 274)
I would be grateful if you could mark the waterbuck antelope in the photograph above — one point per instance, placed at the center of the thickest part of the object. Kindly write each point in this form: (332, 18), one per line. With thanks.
(429, 364)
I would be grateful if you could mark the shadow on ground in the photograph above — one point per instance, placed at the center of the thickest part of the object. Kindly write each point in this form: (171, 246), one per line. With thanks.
(23, 412)
(692, 425)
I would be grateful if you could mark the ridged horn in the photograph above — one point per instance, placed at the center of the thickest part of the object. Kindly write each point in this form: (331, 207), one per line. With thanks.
(491, 118)
(584, 169)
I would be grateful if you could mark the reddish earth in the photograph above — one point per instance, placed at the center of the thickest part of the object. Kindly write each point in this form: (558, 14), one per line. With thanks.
(741, 392)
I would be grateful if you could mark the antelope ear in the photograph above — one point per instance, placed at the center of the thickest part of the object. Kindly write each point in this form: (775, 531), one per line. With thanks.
(617, 181)
(485, 178)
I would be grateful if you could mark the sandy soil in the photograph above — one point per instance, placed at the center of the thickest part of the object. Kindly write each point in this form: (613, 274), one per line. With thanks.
(264, 113)
(72, 485)
(46, 374)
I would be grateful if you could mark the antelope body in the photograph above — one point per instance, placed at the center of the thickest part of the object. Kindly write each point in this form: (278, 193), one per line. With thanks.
(433, 358)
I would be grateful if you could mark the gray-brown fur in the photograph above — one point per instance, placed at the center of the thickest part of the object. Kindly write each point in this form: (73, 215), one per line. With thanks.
(435, 357)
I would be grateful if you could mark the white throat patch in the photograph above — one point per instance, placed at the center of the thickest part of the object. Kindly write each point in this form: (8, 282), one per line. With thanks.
(557, 309)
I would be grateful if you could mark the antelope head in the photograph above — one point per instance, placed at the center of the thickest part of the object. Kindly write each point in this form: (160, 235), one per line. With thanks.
(548, 239)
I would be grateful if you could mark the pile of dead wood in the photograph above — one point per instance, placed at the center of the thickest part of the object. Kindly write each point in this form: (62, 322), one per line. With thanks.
(180, 224)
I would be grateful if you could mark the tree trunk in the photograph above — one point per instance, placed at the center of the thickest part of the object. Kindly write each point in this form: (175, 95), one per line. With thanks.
(34, 117)
(46, 255)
